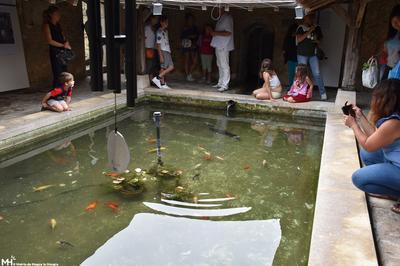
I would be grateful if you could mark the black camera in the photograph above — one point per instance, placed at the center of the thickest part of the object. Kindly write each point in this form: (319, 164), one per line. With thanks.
(347, 109)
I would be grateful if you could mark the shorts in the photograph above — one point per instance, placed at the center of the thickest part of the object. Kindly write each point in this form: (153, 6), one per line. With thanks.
(167, 60)
(53, 102)
(300, 98)
(206, 62)
(276, 94)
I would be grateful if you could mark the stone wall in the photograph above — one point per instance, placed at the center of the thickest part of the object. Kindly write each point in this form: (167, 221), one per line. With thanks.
(36, 50)
(276, 22)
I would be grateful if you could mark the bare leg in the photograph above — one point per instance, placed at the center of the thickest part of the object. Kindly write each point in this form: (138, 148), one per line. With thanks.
(263, 96)
(261, 90)
(193, 56)
(56, 108)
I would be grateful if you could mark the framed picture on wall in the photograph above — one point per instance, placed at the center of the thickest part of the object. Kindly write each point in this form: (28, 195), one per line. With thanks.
(6, 29)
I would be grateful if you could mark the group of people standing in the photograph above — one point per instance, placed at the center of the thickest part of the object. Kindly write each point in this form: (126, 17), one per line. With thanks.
(209, 41)
(301, 47)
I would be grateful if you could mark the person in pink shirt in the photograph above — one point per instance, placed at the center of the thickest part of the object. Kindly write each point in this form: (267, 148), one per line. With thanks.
(302, 88)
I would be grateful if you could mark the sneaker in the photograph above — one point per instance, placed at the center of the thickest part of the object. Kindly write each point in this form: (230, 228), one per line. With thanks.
(189, 78)
(216, 86)
(165, 87)
(324, 97)
(157, 82)
(222, 89)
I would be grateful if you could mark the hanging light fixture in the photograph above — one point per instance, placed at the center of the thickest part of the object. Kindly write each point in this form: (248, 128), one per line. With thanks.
(157, 9)
(299, 10)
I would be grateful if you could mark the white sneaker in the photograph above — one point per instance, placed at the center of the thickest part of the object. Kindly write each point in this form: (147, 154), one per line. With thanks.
(324, 97)
(222, 89)
(165, 87)
(216, 86)
(189, 78)
(156, 81)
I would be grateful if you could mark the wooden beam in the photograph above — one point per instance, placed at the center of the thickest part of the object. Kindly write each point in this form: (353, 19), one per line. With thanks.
(341, 12)
(361, 12)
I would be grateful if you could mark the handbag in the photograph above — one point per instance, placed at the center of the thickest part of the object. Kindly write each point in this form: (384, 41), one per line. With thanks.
(150, 53)
(64, 56)
(320, 53)
(370, 73)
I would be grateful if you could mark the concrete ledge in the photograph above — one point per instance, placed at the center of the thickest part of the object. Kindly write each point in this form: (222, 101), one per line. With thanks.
(342, 233)
(246, 102)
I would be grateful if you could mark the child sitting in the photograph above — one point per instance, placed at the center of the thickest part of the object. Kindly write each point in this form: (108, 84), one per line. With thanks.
(164, 51)
(272, 88)
(59, 99)
(206, 53)
(302, 88)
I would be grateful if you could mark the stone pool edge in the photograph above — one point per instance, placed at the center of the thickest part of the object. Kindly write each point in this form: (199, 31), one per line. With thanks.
(342, 231)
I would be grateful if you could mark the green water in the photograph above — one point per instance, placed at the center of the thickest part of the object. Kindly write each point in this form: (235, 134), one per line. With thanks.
(283, 187)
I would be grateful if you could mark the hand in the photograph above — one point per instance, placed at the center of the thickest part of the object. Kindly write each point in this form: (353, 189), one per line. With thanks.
(349, 121)
(45, 105)
(358, 111)
(67, 46)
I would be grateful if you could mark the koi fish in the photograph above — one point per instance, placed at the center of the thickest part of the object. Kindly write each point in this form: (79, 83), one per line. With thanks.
(201, 147)
(112, 174)
(197, 166)
(53, 224)
(228, 195)
(112, 205)
(155, 150)
(264, 163)
(41, 188)
(220, 158)
(208, 157)
(247, 167)
(63, 243)
(91, 206)
(1, 218)
(151, 140)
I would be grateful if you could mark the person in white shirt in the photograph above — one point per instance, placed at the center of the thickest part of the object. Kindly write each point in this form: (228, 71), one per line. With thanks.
(164, 51)
(150, 46)
(223, 43)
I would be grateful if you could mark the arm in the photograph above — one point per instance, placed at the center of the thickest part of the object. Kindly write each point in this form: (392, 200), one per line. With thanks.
(363, 122)
(266, 86)
(310, 87)
(302, 36)
(45, 99)
(383, 136)
(160, 53)
(68, 100)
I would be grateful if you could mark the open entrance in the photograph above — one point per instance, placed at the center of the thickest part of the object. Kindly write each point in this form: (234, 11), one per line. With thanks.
(257, 43)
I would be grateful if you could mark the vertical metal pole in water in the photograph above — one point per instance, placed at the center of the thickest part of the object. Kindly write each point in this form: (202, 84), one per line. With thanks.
(156, 117)
(130, 52)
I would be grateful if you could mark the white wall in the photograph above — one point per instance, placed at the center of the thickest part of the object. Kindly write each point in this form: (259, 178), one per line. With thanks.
(334, 30)
(13, 74)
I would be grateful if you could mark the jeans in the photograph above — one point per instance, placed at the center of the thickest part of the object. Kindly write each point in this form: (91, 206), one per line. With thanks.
(222, 55)
(378, 176)
(291, 71)
(314, 65)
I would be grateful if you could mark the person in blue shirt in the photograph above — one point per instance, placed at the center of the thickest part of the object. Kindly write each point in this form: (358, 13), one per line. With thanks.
(392, 43)
(379, 138)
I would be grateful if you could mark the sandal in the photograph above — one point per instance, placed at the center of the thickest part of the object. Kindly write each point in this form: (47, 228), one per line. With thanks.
(385, 197)
(396, 208)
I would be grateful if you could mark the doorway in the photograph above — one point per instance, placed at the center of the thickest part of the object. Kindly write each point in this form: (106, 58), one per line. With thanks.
(258, 44)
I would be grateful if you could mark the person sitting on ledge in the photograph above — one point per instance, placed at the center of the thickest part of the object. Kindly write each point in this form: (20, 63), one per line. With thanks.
(272, 88)
(59, 99)
(302, 88)
(380, 143)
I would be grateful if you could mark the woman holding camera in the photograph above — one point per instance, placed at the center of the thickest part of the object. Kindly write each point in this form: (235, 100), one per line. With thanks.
(380, 143)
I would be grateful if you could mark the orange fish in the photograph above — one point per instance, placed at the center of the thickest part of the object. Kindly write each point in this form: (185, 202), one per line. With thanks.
(247, 167)
(205, 218)
(208, 157)
(112, 205)
(91, 206)
(151, 140)
(228, 195)
(112, 174)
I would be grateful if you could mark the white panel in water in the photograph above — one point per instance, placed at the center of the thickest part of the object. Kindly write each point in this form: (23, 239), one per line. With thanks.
(152, 239)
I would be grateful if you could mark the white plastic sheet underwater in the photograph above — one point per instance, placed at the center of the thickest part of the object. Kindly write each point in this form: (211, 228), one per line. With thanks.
(195, 212)
(152, 239)
(118, 152)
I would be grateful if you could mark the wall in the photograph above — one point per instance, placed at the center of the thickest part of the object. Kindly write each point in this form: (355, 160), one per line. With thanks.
(12, 61)
(374, 29)
(36, 50)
